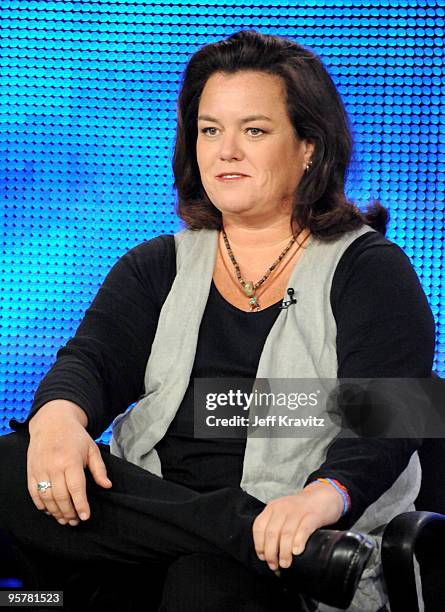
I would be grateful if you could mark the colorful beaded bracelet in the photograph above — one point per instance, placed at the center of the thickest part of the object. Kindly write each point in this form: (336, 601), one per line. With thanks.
(342, 490)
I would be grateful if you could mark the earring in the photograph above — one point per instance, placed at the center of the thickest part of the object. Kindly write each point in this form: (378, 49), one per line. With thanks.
(308, 166)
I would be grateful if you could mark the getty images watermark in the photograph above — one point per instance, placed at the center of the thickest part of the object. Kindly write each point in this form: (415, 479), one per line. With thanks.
(243, 401)
(288, 408)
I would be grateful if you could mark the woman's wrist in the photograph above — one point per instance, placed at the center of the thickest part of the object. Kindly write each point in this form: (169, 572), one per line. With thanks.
(56, 409)
(341, 489)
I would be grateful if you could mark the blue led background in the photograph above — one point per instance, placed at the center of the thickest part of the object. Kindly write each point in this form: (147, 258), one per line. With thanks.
(87, 112)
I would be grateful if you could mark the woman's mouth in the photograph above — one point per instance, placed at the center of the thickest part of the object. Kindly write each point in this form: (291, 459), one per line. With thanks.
(227, 178)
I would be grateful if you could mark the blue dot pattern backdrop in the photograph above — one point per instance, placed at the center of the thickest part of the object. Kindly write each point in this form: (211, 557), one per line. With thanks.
(88, 108)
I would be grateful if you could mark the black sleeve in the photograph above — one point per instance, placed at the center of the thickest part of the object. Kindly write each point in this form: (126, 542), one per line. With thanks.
(385, 329)
(102, 367)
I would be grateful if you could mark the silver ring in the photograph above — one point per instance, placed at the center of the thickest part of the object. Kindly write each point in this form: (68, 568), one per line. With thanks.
(43, 485)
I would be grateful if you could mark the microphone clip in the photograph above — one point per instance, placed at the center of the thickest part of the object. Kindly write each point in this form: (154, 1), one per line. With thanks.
(292, 300)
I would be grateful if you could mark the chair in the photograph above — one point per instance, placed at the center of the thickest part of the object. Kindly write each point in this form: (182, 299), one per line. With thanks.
(420, 533)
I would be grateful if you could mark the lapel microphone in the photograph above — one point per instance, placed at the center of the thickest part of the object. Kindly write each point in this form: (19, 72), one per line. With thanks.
(285, 305)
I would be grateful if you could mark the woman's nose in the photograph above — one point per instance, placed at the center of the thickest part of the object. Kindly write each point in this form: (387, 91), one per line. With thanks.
(230, 147)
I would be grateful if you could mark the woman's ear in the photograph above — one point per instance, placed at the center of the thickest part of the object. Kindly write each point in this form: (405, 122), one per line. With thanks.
(309, 150)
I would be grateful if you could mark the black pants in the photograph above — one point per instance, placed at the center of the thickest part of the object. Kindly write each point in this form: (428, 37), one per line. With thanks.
(196, 548)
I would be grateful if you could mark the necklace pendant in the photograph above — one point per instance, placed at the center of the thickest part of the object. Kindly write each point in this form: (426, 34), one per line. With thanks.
(249, 289)
(254, 304)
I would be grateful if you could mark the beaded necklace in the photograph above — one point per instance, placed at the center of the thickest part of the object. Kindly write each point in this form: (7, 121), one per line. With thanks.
(249, 287)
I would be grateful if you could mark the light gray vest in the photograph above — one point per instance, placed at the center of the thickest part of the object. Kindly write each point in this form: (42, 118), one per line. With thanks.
(301, 344)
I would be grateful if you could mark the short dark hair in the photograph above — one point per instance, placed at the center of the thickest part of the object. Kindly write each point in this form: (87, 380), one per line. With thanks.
(316, 112)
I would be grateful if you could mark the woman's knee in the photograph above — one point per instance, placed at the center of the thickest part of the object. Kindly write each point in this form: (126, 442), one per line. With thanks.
(13, 458)
(13, 473)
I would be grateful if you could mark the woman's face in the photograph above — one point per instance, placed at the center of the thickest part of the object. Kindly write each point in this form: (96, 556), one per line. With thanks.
(244, 131)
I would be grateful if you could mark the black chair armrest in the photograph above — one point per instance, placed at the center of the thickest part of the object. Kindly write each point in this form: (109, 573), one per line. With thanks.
(330, 567)
(419, 533)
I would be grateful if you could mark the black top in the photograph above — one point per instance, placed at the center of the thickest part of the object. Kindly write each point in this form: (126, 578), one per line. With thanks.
(230, 343)
(384, 329)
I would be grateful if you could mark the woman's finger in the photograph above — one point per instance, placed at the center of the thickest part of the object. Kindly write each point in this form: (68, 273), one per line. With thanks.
(35, 496)
(47, 496)
(76, 483)
(62, 498)
(258, 529)
(287, 538)
(306, 528)
(97, 466)
(272, 539)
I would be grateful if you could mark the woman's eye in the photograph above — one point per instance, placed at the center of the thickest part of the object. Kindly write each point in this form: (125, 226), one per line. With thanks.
(257, 131)
(206, 131)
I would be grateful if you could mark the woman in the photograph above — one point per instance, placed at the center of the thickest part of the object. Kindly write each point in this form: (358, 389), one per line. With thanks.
(261, 156)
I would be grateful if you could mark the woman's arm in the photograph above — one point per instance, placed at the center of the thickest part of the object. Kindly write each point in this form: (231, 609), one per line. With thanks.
(385, 329)
(101, 369)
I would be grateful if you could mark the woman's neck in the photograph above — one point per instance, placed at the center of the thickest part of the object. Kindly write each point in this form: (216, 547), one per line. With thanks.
(257, 233)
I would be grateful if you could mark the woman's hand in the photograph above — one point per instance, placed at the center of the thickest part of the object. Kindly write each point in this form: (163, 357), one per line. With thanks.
(284, 526)
(59, 450)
